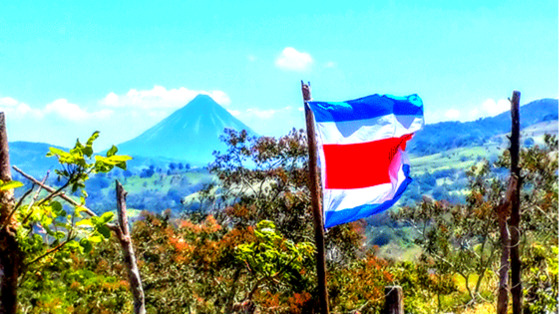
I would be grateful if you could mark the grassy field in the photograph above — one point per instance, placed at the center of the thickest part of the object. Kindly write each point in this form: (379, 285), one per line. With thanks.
(155, 193)
(458, 159)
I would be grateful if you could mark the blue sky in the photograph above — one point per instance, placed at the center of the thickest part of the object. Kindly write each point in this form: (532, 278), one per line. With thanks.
(68, 68)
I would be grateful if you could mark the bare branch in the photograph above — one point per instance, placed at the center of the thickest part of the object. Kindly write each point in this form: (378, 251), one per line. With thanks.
(52, 190)
(58, 247)
(35, 198)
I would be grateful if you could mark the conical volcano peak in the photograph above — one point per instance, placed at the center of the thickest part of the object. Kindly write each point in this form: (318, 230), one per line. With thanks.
(202, 104)
(202, 98)
(191, 133)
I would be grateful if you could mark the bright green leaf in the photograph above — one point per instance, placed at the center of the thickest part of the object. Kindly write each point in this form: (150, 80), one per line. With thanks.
(104, 230)
(85, 222)
(10, 185)
(112, 151)
(95, 239)
(86, 245)
(106, 217)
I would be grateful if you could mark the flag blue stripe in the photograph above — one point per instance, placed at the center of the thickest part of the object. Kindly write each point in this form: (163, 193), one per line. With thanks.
(367, 107)
(333, 218)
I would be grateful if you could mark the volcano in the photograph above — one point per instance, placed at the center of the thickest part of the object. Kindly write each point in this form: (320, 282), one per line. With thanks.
(189, 134)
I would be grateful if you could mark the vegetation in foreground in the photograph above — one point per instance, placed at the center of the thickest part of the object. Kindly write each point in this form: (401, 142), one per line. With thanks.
(252, 250)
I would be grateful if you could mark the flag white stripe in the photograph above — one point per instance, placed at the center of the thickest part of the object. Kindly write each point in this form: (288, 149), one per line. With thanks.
(360, 131)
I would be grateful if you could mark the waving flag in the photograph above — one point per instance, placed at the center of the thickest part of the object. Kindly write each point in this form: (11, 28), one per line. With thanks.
(361, 145)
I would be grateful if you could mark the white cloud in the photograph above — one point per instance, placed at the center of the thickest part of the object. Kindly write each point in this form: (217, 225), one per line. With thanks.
(8, 101)
(60, 108)
(119, 116)
(291, 59)
(475, 112)
(493, 108)
(220, 97)
(111, 99)
(234, 112)
(488, 108)
(330, 64)
(452, 114)
(15, 108)
(273, 121)
(262, 113)
(160, 97)
(63, 108)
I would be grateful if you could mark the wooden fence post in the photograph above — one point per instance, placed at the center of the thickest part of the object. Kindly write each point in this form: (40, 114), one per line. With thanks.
(516, 289)
(394, 303)
(123, 234)
(11, 256)
(503, 211)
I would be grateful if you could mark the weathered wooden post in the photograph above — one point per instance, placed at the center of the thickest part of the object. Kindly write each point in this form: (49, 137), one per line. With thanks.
(316, 201)
(11, 256)
(123, 235)
(516, 289)
(394, 303)
(503, 212)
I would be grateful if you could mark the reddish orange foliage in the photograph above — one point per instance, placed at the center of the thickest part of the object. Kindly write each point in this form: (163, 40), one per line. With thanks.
(270, 301)
(297, 301)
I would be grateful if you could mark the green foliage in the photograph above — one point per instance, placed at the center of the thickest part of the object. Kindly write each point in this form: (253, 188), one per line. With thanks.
(71, 284)
(463, 239)
(47, 226)
(49, 233)
(539, 224)
(415, 281)
(186, 267)
(458, 239)
(79, 162)
(275, 262)
(271, 256)
(249, 249)
(267, 179)
(253, 253)
(541, 279)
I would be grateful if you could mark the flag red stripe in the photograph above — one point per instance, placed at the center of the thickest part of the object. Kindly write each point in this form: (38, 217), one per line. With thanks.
(360, 165)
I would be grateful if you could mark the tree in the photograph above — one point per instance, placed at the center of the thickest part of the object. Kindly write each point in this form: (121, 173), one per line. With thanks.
(539, 224)
(463, 239)
(268, 179)
(45, 228)
(275, 262)
(459, 239)
(358, 286)
(10, 252)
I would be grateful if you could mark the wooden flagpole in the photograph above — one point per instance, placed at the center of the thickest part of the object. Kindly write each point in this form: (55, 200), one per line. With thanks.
(316, 201)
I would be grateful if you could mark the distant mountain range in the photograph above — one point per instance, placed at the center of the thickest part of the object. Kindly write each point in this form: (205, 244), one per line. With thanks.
(192, 133)
(447, 135)
(30, 157)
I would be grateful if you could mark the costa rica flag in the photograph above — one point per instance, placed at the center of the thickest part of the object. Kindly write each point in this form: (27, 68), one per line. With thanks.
(361, 144)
